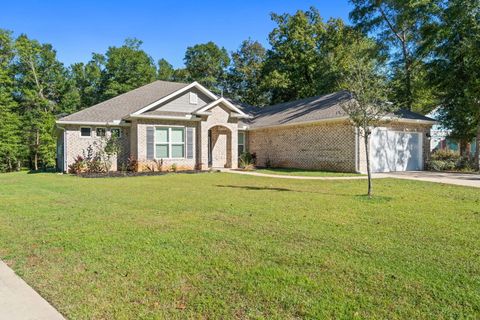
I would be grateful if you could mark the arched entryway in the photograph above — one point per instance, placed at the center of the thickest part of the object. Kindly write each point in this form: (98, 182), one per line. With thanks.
(219, 147)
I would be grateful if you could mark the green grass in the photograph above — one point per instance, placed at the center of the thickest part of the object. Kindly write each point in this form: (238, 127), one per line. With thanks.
(223, 246)
(305, 173)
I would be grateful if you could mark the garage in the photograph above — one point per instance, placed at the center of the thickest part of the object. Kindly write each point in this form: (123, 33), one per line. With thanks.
(395, 150)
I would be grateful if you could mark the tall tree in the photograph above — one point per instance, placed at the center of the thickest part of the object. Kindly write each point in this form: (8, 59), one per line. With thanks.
(89, 79)
(207, 64)
(245, 74)
(398, 26)
(369, 105)
(456, 70)
(165, 70)
(126, 68)
(291, 67)
(308, 56)
(43, 90)
(10, 142)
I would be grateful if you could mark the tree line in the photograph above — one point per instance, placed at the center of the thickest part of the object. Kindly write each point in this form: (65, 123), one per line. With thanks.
(427, 51)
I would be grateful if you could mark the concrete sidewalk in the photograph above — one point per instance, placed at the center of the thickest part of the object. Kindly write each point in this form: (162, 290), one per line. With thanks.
(18, 301)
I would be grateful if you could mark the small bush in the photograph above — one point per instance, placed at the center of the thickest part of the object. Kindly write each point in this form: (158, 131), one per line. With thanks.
(174, 167)
(132, 165)
(446, 160)
(246, 161)
(78, 166)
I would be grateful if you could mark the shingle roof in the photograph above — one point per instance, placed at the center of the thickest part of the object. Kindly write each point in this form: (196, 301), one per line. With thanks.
(120, 106)
(312, 109)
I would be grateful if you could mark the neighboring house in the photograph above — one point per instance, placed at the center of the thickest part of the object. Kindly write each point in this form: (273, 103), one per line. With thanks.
(440, 137)
(189, 126)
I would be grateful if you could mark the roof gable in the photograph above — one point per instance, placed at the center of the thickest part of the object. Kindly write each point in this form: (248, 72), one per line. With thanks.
(120, 106)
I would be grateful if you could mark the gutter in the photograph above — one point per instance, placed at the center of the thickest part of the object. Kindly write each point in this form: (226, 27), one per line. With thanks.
(94, 123)
(184, 118)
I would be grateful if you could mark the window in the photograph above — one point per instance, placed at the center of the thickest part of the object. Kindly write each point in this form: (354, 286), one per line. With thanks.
(169, 142)
(193, 98)
(241, 143)
(100, 132)
(116, 132)
(85, 132)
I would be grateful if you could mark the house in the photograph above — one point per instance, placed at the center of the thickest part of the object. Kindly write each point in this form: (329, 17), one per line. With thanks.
(189, 126)
(441, 139)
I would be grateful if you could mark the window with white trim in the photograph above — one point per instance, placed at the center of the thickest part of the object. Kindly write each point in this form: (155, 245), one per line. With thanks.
(115, 132)
(193, 98)
(241, 143)
(169, 142)
(100, 132)
(85, 132)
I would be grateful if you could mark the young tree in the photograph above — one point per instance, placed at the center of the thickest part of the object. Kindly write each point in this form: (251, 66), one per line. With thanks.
(207, 64)
(398, 26)
(368, 104)
(245, 74)
(10, 143)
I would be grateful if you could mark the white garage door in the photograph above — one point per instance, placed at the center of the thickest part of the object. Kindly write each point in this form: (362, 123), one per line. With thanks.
(395, 151)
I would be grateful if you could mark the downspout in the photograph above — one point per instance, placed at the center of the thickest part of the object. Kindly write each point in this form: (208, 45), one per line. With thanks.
(357, 164)
(64, 153)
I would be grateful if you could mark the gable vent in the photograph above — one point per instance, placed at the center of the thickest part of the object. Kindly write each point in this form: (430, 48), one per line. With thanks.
(193, 98)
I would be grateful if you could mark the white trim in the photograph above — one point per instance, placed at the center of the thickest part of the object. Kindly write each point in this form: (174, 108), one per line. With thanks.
(85, 137)
(105, 130)
(176, 93)
(187, 117)
(193, 98)
(119, 132)
(341, 119)
(93, 123)
(226, 103)
(170, 143)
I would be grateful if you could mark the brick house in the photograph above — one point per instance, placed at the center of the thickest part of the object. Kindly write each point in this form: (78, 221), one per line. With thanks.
(189, 126)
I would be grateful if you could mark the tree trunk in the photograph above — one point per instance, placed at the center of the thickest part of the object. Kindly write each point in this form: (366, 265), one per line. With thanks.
(477, 148)
(35, 156)
(369, 173)
(464, 149)
(408, 75)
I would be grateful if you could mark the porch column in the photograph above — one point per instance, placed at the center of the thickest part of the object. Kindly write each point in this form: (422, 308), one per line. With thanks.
(203, 145)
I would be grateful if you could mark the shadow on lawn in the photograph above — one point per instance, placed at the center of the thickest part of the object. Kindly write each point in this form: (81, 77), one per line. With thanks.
(257, 188)
(360, 197)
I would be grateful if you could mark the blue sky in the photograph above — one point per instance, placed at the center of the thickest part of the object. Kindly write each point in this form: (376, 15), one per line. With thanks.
(167, 28)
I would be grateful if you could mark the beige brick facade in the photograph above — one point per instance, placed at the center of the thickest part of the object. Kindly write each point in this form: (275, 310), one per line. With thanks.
(323, 146)
(76, 145)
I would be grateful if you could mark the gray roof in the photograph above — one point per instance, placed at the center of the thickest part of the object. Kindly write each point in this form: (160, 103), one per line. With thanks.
(120, 106)
(312, 109)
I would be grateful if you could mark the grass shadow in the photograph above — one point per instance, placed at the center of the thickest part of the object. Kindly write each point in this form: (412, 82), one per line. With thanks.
(257, 188)
(373, 199)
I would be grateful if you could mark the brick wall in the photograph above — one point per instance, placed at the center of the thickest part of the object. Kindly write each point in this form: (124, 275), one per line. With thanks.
(140, 128)
(76, 145)
(323, 146)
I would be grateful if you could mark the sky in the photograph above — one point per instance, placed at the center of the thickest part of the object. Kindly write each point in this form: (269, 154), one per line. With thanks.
(76, 29)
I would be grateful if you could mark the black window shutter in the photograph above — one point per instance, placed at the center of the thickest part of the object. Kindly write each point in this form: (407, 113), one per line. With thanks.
(150, 143)
(190, 133)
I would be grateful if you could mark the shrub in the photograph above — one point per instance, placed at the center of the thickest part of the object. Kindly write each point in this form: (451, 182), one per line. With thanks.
(174, 167)
(78, 166)
(132, 164)
(446, 160)
(246, 161)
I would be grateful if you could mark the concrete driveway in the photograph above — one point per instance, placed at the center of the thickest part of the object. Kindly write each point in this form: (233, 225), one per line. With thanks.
(461, 179)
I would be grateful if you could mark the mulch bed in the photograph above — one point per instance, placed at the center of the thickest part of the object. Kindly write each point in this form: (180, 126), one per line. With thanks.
(120, 174)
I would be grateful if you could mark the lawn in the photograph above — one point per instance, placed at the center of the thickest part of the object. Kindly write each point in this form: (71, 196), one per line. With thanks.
(221, 246)
(305, 173)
